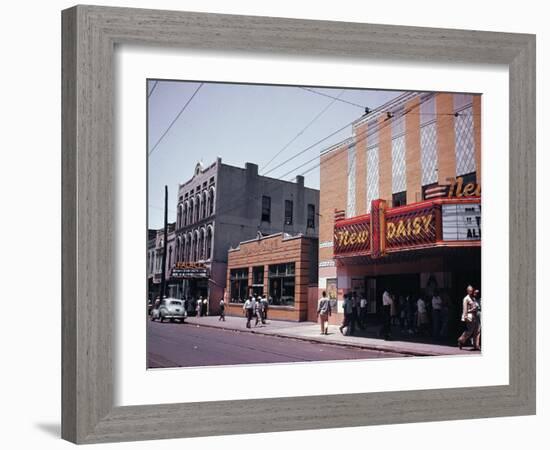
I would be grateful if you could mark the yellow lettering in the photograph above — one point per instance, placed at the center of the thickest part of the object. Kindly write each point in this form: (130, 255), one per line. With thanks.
(352, 238)
(469, 189)
(401, 231)
(416, 225)
(459, 187)
(390, 230)
(426, 220)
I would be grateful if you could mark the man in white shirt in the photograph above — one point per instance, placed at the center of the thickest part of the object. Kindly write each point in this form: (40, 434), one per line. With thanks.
(248, 308)
(363, 311)
(387, 303)
(324, 312)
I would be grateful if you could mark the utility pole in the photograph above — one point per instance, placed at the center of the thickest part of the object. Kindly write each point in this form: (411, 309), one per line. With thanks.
(165, 245)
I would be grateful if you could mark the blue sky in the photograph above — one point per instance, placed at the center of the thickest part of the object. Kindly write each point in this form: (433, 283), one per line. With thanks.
(240, 123)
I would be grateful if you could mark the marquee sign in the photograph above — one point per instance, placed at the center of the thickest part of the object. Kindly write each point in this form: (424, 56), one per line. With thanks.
(183, 271)
(422, 225)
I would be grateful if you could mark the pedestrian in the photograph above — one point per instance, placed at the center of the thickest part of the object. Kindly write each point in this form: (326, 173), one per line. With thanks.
(469, 317)
(347, 323)
(387, 302)
(394, 310)
(204, 311)
(222, 310)
(436, 314)
(265, 306)
(248, 309)
(198, 306)
(324, 312)
(354, 311)
(444, 331)
(258, 310)
(477, 337)
(422, 320)
(402, 312)
(363, 311)
(411, 313)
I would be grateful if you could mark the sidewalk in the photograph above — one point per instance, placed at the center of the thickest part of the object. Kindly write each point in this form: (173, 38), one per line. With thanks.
(309, 331)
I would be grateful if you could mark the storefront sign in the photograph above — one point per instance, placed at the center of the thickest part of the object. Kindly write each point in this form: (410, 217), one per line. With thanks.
(461, 222)
(182, 270)
(352, 238)
(459, 189)
(410, 229)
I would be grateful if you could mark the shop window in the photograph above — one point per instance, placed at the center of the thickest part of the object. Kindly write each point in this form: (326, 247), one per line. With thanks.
(258, 280)
(282, 284)
(310, 216)
(399, 199)
(288, 212)
(266, 209)
(238, 279)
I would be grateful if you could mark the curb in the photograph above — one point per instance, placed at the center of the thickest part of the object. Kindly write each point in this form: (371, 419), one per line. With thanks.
(320, 341)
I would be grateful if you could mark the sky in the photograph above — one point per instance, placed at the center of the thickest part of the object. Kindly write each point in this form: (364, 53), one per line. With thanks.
(243, 123)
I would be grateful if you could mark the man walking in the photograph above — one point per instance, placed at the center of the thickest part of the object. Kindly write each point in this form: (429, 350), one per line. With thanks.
(248, 309)
(222, 310)
(265, 306)
(258, 310)
(387, 302)
(363, 311)
(348, 315)
(324, 312)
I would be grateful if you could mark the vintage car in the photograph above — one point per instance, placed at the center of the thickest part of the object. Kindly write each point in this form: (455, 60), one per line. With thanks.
(169, 309)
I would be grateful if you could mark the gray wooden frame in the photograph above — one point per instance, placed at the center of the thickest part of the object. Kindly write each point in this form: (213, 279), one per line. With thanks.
(89, 37)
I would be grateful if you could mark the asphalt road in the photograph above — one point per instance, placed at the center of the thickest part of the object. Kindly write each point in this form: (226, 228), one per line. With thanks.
(187, 345)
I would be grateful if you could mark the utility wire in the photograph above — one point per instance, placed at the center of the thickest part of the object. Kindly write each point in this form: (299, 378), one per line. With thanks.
(305, 128)
(376, 110)
(176, 118)
(153, 88)
(330, 96)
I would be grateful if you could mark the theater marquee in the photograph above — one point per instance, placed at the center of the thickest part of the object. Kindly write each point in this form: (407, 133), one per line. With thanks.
(440, 222)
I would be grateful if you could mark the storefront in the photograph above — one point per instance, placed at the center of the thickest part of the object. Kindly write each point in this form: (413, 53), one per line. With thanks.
(278, 266)
(410, 250)
(189, 281)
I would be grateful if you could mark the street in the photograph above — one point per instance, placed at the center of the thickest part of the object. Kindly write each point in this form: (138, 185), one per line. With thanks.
(187, 345)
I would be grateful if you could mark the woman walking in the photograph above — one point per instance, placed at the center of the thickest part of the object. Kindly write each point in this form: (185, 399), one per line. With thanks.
(470, 310)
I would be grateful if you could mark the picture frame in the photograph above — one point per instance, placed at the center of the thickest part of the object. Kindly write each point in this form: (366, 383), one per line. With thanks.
(89, 37)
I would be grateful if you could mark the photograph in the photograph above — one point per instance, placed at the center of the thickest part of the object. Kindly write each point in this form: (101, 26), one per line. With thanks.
(296, 223)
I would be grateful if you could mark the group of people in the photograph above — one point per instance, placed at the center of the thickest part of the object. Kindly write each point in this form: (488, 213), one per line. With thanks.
(256, 307)
(422, 315)
(201, 307)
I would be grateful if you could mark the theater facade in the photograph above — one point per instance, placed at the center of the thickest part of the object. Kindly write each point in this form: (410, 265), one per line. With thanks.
(400, 202)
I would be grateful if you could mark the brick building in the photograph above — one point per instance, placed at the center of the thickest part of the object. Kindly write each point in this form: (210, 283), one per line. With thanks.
(400, 200)
(282, 266)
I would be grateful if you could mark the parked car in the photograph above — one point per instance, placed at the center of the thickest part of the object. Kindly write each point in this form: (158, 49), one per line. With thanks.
(169, 309)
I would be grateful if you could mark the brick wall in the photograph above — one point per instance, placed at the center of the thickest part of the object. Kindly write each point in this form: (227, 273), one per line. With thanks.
(275, 250)
(446, 158)
(412, 155)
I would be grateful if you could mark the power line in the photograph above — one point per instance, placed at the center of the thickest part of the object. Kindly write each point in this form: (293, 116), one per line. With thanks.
(362, 136)
(376, 110)
(330, 96)
(153, 88)
(305, 128)
(176, 118)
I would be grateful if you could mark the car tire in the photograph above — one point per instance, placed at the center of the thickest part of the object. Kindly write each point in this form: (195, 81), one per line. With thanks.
(161, 318)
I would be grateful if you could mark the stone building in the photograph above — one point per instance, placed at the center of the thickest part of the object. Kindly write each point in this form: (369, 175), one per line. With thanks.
(221, 206)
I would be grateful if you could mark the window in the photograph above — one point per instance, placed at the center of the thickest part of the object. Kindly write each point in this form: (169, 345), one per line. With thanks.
(468, 178)
(281, 284)
(238, 279)
(288, 212)
(310, 216)
(266, 209)
(258, 280)
(399, 198)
